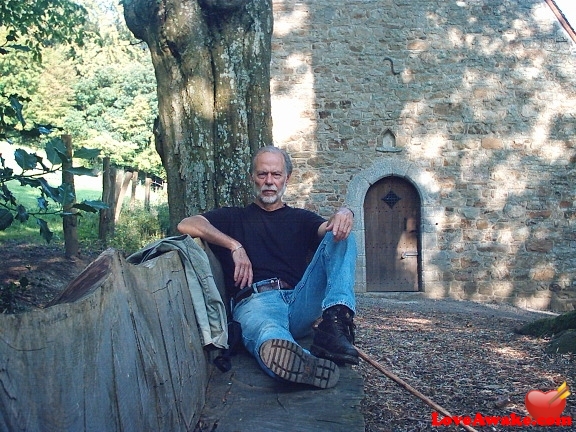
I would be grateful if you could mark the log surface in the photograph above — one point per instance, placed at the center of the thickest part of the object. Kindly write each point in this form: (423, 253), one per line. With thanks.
(120, 351)
(245, 399)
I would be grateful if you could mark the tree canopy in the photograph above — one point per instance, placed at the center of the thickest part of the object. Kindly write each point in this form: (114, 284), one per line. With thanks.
(69, 69)
(31, 25)
(94, 80)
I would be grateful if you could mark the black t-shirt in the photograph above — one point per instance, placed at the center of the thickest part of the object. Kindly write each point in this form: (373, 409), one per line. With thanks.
(277, 242)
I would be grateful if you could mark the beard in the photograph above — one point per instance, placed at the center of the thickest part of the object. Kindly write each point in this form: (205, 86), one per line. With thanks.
(270, 199)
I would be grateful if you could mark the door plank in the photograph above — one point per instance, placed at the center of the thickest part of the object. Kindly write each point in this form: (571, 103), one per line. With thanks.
(392, 230)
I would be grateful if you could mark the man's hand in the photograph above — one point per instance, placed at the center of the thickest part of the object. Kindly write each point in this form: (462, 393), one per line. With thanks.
(340, 224)
(199, 226)
(242, 268)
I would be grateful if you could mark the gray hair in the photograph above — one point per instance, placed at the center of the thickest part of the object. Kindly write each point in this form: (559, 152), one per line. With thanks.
(272, 149)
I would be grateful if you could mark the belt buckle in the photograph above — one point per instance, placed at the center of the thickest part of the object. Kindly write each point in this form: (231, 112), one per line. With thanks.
(265, 282)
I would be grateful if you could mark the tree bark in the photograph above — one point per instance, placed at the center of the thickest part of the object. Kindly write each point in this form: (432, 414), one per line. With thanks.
(118, 350)
(70, 219)
(106, 225)
(212, 65)
(147, 186)
(133, 190)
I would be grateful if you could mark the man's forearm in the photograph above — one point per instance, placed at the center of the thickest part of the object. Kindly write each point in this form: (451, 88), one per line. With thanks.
(199, 226)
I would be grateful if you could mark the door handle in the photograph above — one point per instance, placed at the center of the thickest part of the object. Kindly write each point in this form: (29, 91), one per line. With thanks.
(408, 255)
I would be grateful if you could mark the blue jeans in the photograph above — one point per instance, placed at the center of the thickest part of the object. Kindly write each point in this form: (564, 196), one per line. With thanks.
(289, 314)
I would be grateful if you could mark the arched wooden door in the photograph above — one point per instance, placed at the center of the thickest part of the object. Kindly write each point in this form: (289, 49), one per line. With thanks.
(392, 227)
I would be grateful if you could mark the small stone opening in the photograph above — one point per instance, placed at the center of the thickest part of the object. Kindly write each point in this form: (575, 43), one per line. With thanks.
(387, 142)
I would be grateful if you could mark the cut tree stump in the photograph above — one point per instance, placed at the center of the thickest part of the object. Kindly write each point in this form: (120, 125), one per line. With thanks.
(118, 350)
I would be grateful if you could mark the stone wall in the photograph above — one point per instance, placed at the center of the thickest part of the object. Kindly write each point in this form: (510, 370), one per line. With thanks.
(480, 118)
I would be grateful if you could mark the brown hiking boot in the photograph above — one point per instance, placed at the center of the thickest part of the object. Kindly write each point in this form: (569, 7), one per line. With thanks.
(334, 336)
(290, 362)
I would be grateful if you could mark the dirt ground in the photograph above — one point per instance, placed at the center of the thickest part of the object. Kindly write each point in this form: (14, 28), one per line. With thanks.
(36, 273)
(464, 356)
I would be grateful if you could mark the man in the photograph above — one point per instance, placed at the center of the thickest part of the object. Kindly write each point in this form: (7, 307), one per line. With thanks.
(277, 293)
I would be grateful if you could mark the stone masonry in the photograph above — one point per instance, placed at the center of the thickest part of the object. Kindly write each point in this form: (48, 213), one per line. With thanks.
(478, 112)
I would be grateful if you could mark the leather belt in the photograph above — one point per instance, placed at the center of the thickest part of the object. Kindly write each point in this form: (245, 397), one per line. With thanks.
(271, 284)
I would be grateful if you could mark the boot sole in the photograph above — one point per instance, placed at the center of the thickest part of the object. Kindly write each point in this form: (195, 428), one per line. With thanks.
(290, 362)
(335, 357)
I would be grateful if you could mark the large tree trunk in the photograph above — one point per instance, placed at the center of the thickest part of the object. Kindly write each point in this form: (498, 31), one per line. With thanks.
(212, 64)
(120, 352)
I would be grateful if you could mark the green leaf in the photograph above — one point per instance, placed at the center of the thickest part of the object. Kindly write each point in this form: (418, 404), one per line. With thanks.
(32, 182)
(54, 148)
(44, 230)
(82, 171)
(17, 107)
(84, 207)
(6, 219)
(19, 47)
(50, 191)
(66, 194)
(85, 153)
(7, 195)
(42, 203)
(6, 173)
(30, 133)
(91, 206)
(25, 160)
(21, 214)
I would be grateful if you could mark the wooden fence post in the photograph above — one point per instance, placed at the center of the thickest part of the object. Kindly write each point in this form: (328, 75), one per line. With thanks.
(70, 218)
(122, 181)
(106, 226)
(133, 193)
(147, 186)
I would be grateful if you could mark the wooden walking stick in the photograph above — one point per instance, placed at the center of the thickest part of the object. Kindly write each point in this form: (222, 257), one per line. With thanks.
(408, 387)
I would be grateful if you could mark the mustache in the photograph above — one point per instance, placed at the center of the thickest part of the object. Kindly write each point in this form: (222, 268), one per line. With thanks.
(269, 188)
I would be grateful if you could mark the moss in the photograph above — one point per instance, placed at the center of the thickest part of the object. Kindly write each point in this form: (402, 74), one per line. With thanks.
(549, 326)
(564, 343)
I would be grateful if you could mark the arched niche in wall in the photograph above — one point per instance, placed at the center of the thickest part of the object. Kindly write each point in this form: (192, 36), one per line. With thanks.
(387, 143)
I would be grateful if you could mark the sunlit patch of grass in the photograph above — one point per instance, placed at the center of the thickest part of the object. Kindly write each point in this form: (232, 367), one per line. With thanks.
(29, 231)
(137, 226)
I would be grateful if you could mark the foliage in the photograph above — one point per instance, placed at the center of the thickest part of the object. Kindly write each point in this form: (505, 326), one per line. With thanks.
(87, 224)
(95, 88)
(32, 172)
(138, 227)
(101, 90)
(114, 110)
(32, 25)
(26, 28)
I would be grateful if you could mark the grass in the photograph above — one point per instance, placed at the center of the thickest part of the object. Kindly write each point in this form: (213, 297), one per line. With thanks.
(87, 188)
(135, 228)
(29, 230)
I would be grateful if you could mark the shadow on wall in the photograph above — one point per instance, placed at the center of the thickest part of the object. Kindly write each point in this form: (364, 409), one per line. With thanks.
(482, 112)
